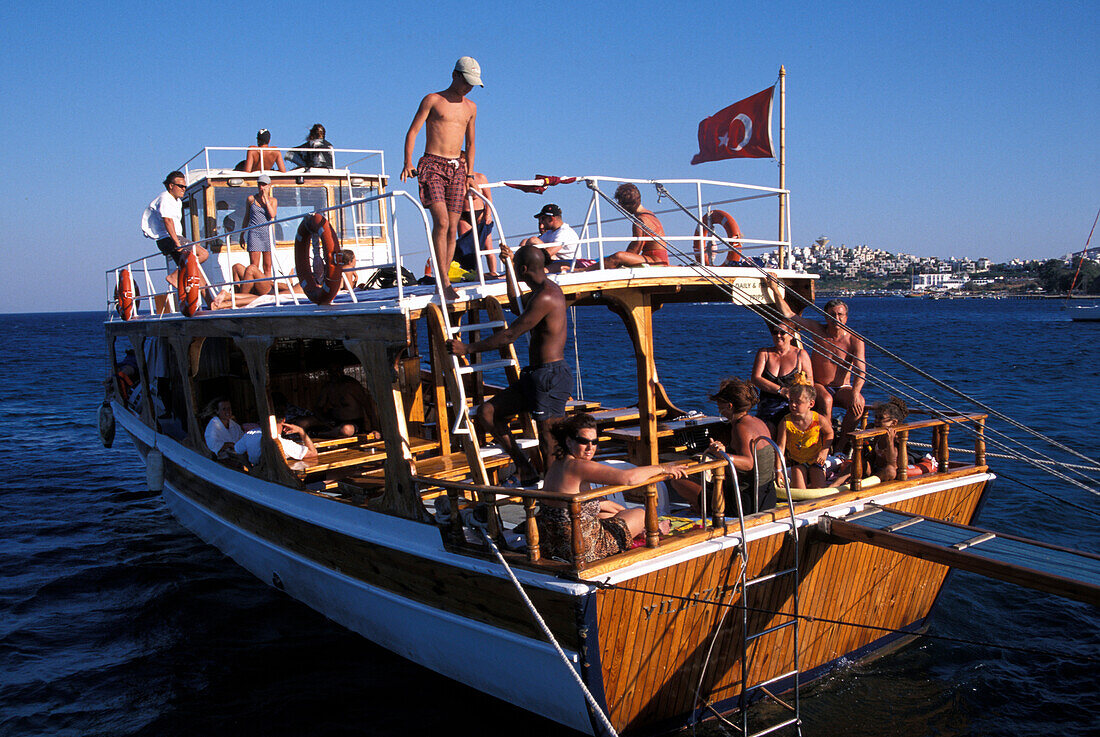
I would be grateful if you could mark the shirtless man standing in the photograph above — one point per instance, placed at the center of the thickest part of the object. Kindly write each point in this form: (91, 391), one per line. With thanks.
(444, 176)
(837, 361)
(546, 384)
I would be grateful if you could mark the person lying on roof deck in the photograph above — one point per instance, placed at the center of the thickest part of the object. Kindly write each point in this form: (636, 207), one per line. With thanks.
(546, 384)
(249, 444)
(735, 398)
(649, 245)
(776, 369)
(262, 158)
(606, 527)
(345, 405)
(805, 438)
(558, 240)
(838, 361)
(222, 432)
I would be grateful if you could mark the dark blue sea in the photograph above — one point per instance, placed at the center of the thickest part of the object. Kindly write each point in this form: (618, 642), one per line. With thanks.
(114, 620)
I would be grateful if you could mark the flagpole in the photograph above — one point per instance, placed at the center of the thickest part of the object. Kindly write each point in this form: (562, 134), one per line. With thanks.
(782, 162)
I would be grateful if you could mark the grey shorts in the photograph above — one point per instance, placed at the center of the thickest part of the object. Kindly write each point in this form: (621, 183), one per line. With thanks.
(542, 391)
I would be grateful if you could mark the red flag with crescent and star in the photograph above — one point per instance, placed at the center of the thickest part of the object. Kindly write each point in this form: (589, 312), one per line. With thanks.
(742, 130)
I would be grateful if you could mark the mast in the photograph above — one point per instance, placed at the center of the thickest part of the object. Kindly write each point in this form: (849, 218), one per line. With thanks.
(782, 162)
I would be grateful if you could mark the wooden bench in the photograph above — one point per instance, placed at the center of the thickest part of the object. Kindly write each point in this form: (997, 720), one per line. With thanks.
(620, 416)
(343, 457)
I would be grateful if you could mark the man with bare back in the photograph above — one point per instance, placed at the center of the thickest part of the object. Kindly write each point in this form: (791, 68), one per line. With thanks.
(546, 384)
(444, 176)
(837, 360)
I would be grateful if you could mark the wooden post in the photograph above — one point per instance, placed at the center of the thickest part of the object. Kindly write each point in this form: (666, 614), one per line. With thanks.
(578, 541)
(782, 162)
(718, 510)
(378, 359)
(903, 454)
(272, 463)
(148, 415)
(186, 357)
(533, 553)
(979, 443)
(856, 482)
(457, 536)
(652, 533)
(438, 354)
(943, 449)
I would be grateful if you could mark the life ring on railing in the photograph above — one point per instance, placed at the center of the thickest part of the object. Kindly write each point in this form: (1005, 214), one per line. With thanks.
(733, 232)
(124, 295)
(322, 284)
(188, 285)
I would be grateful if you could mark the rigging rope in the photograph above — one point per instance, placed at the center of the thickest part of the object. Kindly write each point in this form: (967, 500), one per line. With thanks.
(732, 290)
(550, 636)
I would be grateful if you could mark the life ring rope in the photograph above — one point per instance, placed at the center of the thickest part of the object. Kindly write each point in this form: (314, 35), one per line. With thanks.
(319, 277)
(703, 247)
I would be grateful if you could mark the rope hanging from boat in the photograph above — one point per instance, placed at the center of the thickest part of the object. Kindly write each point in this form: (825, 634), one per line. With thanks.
(732, 290)
(550, 636)
(841, 622)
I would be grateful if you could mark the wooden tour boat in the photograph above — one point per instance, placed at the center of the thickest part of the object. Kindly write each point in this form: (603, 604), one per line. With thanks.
(734, 605)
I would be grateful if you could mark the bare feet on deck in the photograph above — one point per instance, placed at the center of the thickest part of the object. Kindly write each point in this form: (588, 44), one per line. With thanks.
(222, 301)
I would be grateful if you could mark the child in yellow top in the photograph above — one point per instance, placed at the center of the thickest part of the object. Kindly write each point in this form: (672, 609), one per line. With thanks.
(805, 437)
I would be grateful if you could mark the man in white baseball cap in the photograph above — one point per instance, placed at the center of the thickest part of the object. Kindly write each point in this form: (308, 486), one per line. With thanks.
(444, 175)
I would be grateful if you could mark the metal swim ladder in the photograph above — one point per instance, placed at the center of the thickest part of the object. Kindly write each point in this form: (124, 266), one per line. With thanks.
(744, 586)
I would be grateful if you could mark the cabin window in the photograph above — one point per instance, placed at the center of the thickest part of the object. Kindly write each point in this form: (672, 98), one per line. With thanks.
(363, 224)
(231, 211)
(295, 201)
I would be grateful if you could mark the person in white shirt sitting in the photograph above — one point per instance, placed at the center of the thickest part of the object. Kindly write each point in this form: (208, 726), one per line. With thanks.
(222, 432)
(556, 238)
(301, 450)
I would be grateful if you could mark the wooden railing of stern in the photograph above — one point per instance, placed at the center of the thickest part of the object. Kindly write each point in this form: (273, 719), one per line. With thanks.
(530, 497)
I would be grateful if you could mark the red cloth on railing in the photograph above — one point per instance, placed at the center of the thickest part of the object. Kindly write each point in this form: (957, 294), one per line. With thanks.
(547, 181)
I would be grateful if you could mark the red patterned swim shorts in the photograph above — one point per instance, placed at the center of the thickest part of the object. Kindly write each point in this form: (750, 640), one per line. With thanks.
(442, 180)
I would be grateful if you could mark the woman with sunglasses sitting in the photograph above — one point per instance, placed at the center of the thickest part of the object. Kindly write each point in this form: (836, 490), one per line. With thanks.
(606, 527)
(776, 369)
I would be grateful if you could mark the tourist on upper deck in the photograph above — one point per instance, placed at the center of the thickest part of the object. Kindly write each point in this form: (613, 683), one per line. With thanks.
(320, 154)
(480, 217)
(162, 221)
(444, 175)
(222, 432)
(556, 238)
(735, 398)
(249, 445)
(805, 438)
(838, 361)
(259, 242)
(648, 246)
(260, 157)
(606, 527)
(776, 369)
(546, 384)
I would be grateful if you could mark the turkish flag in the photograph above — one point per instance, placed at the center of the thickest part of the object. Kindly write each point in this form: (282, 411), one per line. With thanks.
(743, 130)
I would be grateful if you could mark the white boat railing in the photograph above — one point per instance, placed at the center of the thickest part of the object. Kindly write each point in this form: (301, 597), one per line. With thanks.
(354, 155)
(279, 276)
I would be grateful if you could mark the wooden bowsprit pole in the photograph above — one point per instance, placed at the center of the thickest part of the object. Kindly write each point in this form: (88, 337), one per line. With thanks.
(783, 204)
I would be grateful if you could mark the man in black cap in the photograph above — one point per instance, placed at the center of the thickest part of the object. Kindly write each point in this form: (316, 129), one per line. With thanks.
(557, 240)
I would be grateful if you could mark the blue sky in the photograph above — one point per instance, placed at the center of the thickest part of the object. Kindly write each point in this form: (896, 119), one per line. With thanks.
(965, 129)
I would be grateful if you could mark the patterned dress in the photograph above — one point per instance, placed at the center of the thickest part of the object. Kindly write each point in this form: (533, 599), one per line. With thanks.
(259, 239)
(602, 537)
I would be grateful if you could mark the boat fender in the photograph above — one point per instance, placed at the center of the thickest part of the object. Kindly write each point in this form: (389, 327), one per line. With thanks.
(124, 296)
(704, 251)
(106, 424)
(319, 277)
(188, 284)
(154, 470)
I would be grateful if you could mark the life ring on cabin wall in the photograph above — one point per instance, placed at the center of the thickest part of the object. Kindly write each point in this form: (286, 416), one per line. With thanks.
(188, 285)
(733, 232)
(124, 295)
(322, 283)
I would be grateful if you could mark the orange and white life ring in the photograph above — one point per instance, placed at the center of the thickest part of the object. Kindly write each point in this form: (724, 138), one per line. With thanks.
(704, 250)
(124, 295)
(188, 285)
(322, 283)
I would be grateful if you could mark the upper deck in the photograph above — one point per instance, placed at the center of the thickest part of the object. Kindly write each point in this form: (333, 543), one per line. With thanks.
(364, 214)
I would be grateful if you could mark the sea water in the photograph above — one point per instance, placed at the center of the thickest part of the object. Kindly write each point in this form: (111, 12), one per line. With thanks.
(114, 620)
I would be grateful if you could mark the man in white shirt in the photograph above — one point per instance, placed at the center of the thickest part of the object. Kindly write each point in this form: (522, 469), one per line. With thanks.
(557, 240)
(249, 445)
(162, 221)
(223, 432)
